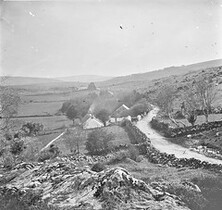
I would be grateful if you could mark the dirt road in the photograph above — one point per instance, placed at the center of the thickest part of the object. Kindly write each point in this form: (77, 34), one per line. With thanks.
(163, 145)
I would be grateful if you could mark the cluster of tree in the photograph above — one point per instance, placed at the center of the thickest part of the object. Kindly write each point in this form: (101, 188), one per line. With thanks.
(131, 98)
(103, 115)
(197, 97)
(32, 129)
(98, 142)
(137, 109)
(78, 107)
(135, 100)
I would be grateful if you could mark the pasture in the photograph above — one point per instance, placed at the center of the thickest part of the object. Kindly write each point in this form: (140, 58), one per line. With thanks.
(51, 123)
(41, 108)
(68, 143)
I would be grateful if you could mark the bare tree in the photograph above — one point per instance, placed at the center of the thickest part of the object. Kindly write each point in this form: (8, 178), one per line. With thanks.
(190, 104)
(165, 100)
(206, 93)
(200, 95)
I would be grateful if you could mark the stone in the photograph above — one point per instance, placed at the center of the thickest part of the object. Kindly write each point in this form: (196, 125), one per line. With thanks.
(82, 188)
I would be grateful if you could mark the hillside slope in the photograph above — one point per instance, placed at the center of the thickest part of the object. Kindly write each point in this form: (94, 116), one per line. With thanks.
(14, 80)
(166, 72)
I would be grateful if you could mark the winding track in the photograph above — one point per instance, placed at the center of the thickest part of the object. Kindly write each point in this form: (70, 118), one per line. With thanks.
(163, 145)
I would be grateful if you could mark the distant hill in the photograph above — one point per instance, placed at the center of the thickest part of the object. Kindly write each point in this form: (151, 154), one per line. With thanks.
(12, 80)
(21, 81)
(166, 72)
(84, 78)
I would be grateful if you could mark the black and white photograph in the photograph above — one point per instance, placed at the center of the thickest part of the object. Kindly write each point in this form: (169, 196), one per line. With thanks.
(110, 104)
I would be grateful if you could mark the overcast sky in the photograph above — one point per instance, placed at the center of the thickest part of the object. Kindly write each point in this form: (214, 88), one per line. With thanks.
(107, 37)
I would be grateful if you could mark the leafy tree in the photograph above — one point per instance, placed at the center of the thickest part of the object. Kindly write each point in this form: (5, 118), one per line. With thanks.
(131, 98)
(72, 113)
(103, 115)
(137, 109)
(81, 105)
(98, 142)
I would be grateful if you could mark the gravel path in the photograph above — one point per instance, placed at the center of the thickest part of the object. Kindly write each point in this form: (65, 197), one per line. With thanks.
(163, 145)
(53, 140)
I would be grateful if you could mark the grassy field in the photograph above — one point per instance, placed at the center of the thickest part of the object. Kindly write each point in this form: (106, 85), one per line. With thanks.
(57, 96)
(53, 126)
(50, 123)
(68, 142)
(34, 109)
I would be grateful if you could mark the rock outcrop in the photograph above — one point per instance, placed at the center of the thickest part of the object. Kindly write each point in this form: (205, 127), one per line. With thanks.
(67, 186)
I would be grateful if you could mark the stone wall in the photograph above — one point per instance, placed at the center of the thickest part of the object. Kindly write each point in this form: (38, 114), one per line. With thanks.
(183, 131)
(157, 157)
(135, 135)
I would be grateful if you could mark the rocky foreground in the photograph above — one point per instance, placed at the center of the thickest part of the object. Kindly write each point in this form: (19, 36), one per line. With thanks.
(63, 184)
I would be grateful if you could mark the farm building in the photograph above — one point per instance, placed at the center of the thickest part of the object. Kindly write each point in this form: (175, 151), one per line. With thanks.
(119, 111)
(92, 122)
(117, 115)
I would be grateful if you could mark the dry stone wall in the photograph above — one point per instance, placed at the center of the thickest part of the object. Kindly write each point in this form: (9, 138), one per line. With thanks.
(183, 131)
(155, 156)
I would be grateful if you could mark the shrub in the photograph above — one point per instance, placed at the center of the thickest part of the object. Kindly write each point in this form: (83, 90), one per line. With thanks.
(97, 142)
(29, 154)
(17, 147)
(119, 156)
(8, 160)
(98, 167)
(51, 153)
(44, 155)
